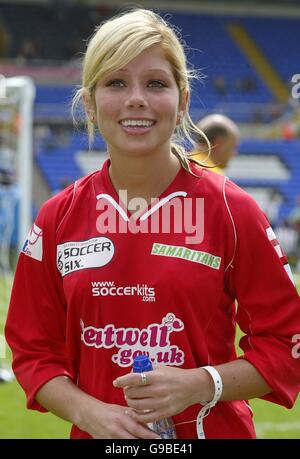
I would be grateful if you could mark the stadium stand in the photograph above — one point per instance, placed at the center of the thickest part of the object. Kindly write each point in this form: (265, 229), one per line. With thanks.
(280, 47)
(231, 85)
(273, 165)
(219, 56)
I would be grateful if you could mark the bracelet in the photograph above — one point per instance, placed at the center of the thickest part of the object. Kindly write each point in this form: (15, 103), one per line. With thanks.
(205, 410)
(217, 382)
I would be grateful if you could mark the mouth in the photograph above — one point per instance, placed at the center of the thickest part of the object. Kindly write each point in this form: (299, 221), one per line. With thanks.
(137, 126)
(137, 123)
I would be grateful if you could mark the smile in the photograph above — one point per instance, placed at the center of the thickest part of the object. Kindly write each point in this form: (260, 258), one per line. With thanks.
(137, 123)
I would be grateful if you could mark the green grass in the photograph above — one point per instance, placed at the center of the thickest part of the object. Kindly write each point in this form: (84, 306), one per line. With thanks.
(18, 422)
(271, 421)
(15, 420)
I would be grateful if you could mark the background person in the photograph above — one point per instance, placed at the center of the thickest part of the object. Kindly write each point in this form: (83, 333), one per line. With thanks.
(224, 137)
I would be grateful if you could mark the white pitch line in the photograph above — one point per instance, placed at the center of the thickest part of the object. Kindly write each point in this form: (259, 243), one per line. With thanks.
(2, 347)
(262, 427)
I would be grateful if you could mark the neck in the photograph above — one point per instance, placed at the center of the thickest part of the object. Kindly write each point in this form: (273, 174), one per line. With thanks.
(146, 177)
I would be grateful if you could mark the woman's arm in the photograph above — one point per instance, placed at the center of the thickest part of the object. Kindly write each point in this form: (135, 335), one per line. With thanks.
(241, 381)
(100, 420)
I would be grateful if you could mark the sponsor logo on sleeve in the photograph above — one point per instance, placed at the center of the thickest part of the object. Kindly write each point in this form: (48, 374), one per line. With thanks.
(33, 246)
(279, 250)
(76, 255)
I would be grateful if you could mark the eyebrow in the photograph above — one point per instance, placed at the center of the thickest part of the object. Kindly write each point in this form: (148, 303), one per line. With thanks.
(148, 71)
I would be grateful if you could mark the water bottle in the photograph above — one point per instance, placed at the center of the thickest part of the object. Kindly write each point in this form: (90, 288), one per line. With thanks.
(165, 427)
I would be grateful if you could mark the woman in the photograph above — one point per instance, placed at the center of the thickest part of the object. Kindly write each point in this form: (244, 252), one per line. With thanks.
(97, 285)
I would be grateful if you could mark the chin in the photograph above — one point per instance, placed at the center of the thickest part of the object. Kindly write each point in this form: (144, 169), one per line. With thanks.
(139, 150)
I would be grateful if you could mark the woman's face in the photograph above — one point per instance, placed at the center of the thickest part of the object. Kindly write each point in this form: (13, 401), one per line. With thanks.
(137, 106)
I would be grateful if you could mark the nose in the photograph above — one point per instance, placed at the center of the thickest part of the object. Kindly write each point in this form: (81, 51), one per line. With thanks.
(136, 98)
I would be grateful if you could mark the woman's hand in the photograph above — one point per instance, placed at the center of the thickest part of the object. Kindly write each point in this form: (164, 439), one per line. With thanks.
(167, 391)
(103, 420)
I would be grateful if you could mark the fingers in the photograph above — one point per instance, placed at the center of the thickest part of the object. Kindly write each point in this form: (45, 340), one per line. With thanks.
(139, 392)
(139, 430)
(145, 404)
(133, 380)
(147, 417)
(123, 426)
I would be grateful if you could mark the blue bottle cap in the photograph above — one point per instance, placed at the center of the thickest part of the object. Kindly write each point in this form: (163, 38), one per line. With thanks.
(141, 363)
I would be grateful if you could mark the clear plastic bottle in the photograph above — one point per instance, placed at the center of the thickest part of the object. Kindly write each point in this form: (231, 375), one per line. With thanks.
(165, 427)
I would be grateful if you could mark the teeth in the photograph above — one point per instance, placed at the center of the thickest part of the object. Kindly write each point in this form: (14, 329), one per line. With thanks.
(143, 123)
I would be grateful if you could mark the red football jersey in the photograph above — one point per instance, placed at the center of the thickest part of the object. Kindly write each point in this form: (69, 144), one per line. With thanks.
(95, 286)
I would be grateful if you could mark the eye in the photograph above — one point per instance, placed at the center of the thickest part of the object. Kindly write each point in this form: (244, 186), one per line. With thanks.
(157, 84)
(115, 83)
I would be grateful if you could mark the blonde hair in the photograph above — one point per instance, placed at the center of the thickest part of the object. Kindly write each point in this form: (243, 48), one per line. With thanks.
(119, 40)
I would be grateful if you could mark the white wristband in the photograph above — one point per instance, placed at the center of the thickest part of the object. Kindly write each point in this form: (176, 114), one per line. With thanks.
(217, 382)
(217, 394)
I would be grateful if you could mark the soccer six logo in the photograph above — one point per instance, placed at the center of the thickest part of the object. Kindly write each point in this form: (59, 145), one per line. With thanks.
(76, 255)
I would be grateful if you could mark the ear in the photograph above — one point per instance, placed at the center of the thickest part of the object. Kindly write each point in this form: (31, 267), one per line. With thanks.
(89, 105)
(184, 101)
(182, 107)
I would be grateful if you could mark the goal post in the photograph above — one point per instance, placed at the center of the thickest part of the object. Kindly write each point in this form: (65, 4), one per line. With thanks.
(17, 96)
